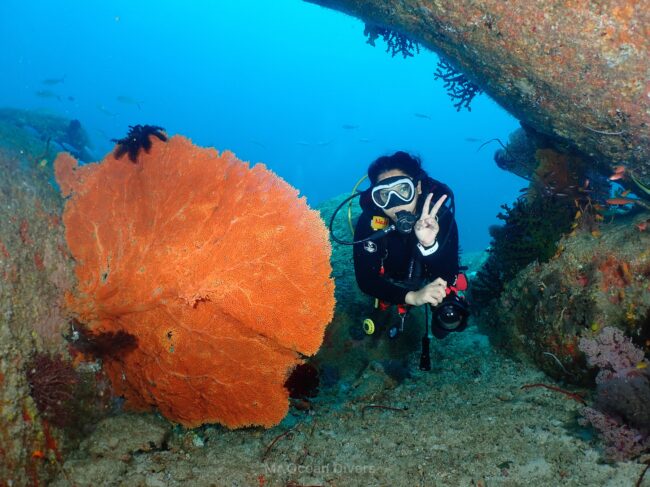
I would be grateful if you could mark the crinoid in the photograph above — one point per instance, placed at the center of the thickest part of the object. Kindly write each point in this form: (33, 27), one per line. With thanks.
(136, 139)
(303, 381)
(52, 384)
(101, 345)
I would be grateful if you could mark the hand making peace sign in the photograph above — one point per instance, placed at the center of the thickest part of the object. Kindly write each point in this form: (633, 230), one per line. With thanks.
(427, 228)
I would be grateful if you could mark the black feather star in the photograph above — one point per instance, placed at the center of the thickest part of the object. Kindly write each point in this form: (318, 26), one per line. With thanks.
(136, 139)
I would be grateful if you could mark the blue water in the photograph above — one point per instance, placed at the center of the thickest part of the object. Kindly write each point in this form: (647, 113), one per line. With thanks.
(275, 82)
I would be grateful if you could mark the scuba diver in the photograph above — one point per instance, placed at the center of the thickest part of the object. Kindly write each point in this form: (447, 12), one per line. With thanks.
(406, 248)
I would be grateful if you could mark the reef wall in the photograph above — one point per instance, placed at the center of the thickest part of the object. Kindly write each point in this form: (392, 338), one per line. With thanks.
(576, 71)
(47, 401)
(34, 271)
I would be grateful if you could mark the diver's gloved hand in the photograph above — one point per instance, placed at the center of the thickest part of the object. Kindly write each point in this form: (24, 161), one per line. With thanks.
(433, 293)
(426, 228)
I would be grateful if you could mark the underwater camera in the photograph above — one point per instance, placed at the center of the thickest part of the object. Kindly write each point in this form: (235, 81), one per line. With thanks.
(451, 314)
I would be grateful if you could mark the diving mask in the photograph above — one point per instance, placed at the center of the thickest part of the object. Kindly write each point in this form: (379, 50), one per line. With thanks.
(393, 191)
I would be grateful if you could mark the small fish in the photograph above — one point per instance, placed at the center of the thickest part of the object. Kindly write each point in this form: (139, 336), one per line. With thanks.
(67, 147)
(323, 143)
(620, 201)
(48, 94)
(642, 365)
(53, 81)
(365, 140)
(38, 454)
(422, 115)
(472, 139)
(102, 133)
(348, 126)
(625, 193)
(642, 226)
(304, 143)
(257, 143)
(105, 111)
(127, 100)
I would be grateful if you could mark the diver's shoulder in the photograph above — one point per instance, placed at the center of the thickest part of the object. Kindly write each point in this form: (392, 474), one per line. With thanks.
(371, 221)
(435, 186)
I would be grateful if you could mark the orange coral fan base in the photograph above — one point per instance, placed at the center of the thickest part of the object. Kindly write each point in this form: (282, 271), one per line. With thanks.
(219, 270)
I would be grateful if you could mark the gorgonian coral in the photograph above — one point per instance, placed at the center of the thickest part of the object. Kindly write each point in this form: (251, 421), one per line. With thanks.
(459, 87)
(211, 278)
(396, 43)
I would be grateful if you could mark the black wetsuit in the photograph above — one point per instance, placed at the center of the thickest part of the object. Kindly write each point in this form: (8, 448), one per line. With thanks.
(400, 255)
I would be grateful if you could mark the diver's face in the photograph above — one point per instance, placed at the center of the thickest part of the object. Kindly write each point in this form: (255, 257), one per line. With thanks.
(410, 207)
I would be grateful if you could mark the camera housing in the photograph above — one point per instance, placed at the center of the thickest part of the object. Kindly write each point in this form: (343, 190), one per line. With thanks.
(451, 314)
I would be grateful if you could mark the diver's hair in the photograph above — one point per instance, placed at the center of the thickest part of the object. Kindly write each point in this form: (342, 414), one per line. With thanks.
(411, 165)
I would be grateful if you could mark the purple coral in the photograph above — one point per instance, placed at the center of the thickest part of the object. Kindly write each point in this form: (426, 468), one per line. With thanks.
(612, 351)
(621, 412)
(622, 442)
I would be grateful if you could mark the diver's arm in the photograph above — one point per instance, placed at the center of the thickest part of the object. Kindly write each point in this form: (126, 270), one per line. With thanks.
(444, 262)
(433, 293)
(441, 266)
(427, 227)
(367, 264)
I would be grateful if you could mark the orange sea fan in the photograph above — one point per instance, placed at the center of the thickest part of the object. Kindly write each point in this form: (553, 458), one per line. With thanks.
(220, 272)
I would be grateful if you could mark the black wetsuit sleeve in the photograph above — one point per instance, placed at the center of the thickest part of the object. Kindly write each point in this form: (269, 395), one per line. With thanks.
(445, 261)
(367, 263)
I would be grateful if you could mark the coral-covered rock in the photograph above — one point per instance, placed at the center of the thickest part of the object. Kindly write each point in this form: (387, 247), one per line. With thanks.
(35, 271)
(218, 271)
(596, 279)
(576, 71)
